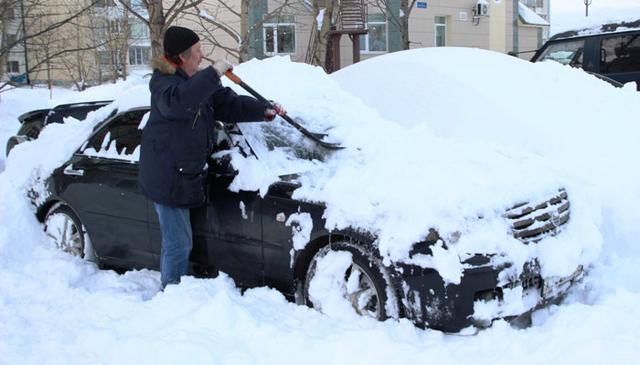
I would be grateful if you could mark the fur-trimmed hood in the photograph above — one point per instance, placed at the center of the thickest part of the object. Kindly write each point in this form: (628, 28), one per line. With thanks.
(163, 65)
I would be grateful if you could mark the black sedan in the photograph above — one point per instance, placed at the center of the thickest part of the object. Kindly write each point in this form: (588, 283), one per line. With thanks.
(94, 209)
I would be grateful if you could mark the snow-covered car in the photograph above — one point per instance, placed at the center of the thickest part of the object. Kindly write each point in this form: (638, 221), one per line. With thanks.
(32, 122)
(272, 236)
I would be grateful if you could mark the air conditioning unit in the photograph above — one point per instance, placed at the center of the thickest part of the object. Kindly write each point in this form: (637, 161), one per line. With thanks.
(481, 8)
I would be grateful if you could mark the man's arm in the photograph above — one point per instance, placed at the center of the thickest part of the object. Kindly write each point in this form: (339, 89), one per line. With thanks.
(230, 107)
(179, 100)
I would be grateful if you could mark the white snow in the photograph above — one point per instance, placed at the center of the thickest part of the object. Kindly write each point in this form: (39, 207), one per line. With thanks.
(432, 141)
(529, 16)
(301, 227)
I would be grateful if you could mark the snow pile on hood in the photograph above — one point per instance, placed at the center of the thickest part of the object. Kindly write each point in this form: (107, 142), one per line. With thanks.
(398, 181)
(554, 115)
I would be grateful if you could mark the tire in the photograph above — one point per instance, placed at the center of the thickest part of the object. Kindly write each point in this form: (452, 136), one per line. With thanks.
(371, 296)
(63, 226)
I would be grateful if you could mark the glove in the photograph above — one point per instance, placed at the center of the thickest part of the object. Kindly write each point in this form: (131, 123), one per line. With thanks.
(222, 66)
(270, 113)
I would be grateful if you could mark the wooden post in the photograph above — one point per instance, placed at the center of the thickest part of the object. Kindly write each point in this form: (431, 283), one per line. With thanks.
(355, 44)
(335, 50)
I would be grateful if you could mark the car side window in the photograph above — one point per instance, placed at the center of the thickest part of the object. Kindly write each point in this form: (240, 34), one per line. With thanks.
(620, 54)
(567, 53)
(119, 139)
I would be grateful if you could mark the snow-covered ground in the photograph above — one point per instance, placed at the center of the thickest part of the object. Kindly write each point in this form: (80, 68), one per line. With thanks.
(421, 127)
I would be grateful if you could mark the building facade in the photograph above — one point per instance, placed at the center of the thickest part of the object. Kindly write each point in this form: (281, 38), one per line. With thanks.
(111, 42)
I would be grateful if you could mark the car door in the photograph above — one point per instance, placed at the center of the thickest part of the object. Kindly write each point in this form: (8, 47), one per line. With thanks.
(101, 185)
(278, 209)
(227, 231)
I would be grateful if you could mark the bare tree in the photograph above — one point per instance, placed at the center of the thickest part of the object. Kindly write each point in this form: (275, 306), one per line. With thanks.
(158, 17)
(222, 19)
(320, 51)
(399, 18)
(31, 24)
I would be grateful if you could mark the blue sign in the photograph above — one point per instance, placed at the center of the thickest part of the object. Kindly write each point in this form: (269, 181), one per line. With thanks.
(421, 5)
(19, 79)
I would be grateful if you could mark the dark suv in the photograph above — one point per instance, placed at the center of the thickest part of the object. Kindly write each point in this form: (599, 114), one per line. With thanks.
(612, 51)
(92, 207)
(32, 122)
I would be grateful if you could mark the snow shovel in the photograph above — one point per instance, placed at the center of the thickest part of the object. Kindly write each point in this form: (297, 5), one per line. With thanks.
(316, 137)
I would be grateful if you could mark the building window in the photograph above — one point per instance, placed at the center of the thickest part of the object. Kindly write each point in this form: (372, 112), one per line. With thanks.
(9, 13)
(139, 30)
(109, 57)
(441, 31)
(533, 3)
(376, 39)
(114, 26)
(105, 3)
(280, 36)
(13, 67)
(12, 39)
(139, 55)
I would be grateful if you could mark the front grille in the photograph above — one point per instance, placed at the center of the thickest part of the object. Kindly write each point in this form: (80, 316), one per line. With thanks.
(531, 222)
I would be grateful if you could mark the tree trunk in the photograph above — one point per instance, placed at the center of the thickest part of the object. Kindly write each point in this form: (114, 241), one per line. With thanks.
(156, 27)
(243, 49)
(404, 23)
(322, 52)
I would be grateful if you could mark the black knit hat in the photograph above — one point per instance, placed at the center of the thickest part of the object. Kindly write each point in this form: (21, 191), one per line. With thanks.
(178, 39)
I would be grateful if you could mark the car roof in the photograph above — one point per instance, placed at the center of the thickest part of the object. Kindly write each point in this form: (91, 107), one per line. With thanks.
(623, 27)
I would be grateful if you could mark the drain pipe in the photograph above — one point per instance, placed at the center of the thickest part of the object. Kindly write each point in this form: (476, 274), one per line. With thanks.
(516, 37)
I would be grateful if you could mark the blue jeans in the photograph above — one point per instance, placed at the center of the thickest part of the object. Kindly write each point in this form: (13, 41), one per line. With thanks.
(177, 241)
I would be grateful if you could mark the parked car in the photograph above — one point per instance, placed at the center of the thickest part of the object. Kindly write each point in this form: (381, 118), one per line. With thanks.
(612, 51)
(92, 208)
(32, 122)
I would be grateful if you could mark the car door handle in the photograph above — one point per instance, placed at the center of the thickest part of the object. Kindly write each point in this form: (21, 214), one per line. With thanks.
(69, 170)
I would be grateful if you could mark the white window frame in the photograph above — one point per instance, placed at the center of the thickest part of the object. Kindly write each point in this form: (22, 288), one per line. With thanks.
(138, 56)
(114, 26)
(275, 24)
(437, 25)
(386, 38)
(10, 69)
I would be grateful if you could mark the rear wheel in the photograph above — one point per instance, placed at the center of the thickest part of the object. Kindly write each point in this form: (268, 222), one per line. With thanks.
(365, 285)
(66, 230)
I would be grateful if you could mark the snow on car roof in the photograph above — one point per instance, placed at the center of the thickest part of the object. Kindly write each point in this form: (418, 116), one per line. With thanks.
(614, 27)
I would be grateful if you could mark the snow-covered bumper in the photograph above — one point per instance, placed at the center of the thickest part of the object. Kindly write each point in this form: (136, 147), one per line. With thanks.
(480, 297)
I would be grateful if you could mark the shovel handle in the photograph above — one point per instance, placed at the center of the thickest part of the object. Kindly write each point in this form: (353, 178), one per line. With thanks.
(233, 77)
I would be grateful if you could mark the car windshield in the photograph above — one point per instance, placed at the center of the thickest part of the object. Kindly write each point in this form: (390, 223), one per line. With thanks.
(279, 146)
(567, 53)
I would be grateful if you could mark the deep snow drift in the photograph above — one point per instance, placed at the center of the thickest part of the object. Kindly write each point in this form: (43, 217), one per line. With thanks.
(432, 142)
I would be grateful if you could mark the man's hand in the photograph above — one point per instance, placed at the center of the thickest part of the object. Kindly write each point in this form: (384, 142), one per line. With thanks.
(270, 113)
(222, 66)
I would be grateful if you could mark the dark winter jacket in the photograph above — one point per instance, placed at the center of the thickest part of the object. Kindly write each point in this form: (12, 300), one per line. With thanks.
(180, 132)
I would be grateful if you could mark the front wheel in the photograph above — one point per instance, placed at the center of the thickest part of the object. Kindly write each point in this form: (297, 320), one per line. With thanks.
(360, 278)
(63, 226)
